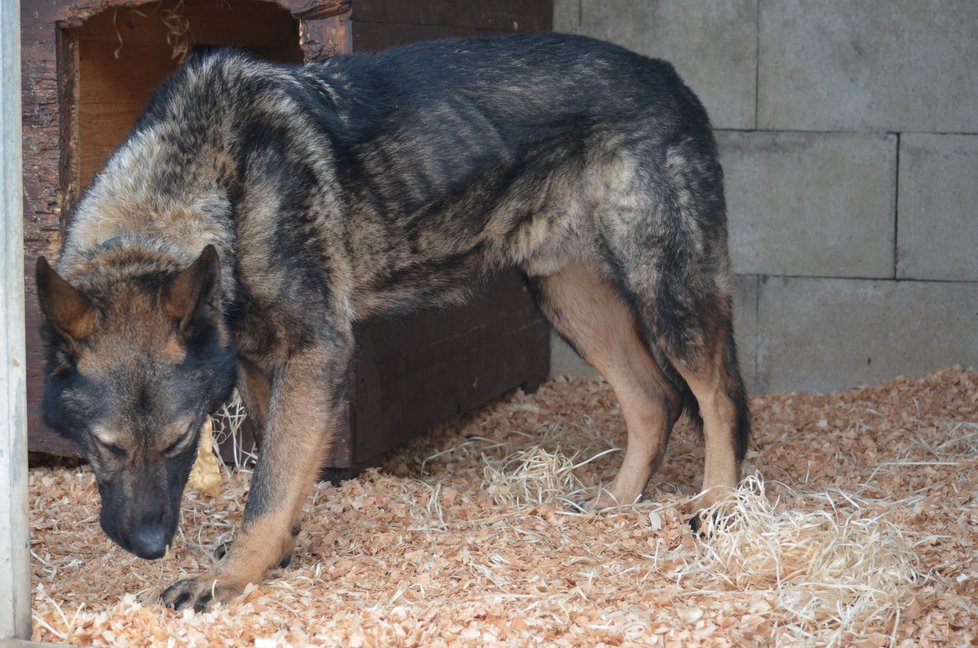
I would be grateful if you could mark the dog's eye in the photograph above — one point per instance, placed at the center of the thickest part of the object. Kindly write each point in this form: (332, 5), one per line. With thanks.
(174, 447)
(179, 444)
(116, 450)
(105, 440)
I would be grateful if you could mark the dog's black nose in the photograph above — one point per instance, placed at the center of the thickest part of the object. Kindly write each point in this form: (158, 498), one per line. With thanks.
(149, 541)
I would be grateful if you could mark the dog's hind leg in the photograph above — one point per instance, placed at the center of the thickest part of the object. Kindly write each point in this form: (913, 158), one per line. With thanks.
(711, 371)
(666, 240)
(586, 310)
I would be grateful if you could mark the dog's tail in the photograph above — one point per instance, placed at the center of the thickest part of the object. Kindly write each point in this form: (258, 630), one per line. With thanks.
(691, 406)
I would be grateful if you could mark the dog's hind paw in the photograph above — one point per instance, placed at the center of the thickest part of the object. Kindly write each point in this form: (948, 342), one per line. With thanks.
(199, 593)
(705, 524)
(221, 550)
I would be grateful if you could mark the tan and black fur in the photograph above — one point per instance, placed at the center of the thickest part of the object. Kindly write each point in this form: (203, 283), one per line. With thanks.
(257, 211)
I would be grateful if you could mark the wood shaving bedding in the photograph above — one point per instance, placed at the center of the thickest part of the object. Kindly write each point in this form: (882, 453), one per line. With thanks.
(860, 528)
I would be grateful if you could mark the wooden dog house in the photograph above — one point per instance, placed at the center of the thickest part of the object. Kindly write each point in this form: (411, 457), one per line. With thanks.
(90, 65)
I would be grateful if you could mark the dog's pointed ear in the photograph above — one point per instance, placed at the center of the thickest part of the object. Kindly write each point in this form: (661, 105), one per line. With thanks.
(65, 307)
(189, 295)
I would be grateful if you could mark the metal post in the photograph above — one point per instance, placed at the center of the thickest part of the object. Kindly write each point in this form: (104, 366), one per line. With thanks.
(15, 574)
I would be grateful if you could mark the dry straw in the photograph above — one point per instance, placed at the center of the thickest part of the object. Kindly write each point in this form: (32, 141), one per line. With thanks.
(227, 432)
(835, 572)
(530, 477)
(533, 477)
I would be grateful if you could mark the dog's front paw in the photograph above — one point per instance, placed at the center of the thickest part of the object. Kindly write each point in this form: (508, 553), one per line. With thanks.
(199, 593)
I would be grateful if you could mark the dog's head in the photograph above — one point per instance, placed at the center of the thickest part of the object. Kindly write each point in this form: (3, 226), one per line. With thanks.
(136, 359)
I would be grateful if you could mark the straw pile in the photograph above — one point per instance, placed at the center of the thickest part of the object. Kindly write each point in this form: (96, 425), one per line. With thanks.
(832, 573)
(862, 531)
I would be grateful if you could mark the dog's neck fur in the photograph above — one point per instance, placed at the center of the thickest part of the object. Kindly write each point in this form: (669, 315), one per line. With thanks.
(159, 196)
(126, 226)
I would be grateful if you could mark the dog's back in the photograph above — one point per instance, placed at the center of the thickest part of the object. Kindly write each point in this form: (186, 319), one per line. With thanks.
(437, 162)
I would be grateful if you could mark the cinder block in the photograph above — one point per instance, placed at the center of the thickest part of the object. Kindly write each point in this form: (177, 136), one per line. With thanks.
(712, 43)
(900, 65)
(565, 362)
(827, 334)
(567, 16)
(819, 204)
(937, 227)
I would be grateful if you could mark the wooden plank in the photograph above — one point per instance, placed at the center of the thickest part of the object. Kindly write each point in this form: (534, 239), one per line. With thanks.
(373, 37)
(305, 10)
(43, 195)
(324, 37)
(417, 373)
(379, 24)
(69, 170)
(499, 16)
(15, 568)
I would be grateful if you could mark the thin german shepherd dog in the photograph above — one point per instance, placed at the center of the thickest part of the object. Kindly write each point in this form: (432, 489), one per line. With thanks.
(257, 211)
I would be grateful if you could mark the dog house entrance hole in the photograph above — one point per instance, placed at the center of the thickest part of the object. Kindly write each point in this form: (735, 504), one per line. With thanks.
(111, 64)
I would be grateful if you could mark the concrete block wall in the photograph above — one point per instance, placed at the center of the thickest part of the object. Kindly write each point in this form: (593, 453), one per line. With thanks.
(848, 132)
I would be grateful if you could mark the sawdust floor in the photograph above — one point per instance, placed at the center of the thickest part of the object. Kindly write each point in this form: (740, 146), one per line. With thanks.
(417, 552)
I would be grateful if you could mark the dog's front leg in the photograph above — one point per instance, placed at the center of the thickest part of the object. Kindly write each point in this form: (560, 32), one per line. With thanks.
(304, 413)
